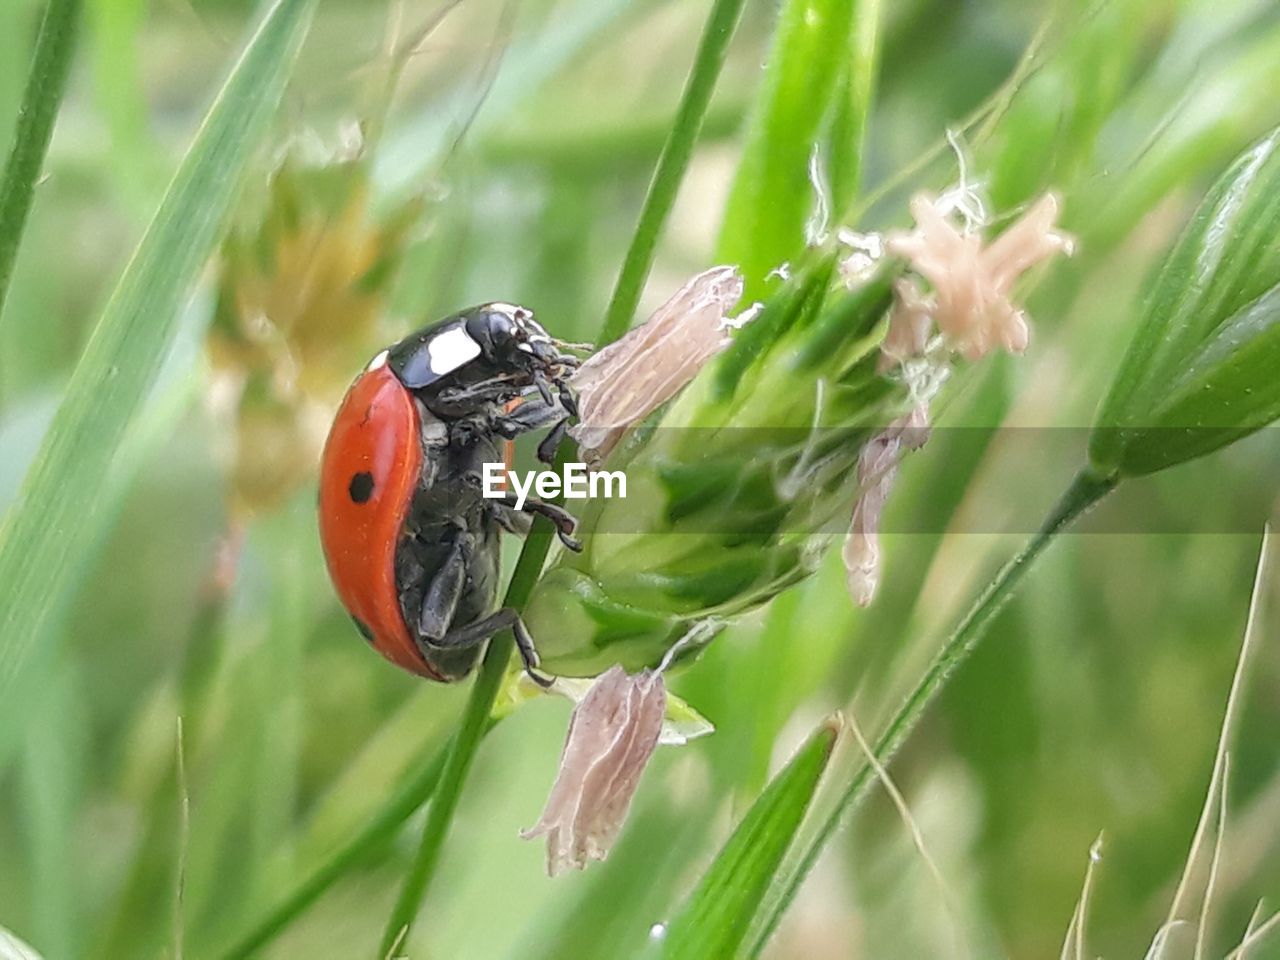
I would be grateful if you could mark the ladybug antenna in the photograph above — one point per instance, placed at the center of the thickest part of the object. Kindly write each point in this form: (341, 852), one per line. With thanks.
(574, 346)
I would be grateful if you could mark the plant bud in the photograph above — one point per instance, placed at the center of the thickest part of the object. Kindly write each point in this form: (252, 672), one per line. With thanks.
(1201, 371)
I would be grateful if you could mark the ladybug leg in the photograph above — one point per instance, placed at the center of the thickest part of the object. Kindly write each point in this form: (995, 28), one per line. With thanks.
(551, 442)
(440, 599)
(534, 415)
(565, 522)
(440, 603)
(512, 520)
(484, 628)
(530, 415)
(493, 389)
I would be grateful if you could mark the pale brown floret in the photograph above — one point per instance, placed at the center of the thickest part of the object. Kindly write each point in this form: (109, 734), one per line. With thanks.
(612, 734)
(627, 380)
(971, 306)
(877, 469)
(972, 282)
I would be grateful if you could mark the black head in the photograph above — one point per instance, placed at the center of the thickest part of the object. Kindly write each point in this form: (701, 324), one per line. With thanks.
(494, 343)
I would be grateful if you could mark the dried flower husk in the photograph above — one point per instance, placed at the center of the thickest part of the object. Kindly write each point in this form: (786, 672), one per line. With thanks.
(627, 380)
(877, 470)
(612, 735)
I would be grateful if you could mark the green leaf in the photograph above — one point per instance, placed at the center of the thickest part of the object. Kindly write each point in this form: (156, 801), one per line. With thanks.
(46, 84)
(714, 920)
(772, 196)
(853, 106)
(1201, 371)
(45, 533)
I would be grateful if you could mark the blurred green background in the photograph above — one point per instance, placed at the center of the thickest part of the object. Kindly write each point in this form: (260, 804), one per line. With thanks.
(511, 165)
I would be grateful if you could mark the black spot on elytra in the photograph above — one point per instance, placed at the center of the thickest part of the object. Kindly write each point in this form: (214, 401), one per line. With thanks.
(364, 630)
(361, 486)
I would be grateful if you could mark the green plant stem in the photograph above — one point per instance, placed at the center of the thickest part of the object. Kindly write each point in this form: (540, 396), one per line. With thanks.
(1085, 490)
(476, 720)
(410, 796)
(55, 47)
(672, 164)
(712, 48)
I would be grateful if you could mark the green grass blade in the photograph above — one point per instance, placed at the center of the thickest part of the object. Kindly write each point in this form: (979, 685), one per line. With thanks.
(849, 125)
(372, 836)
(772, 195)
(720, 28)
(716, 916)
(51, 774)
(476, 721)
(1084, 492)
(42, 539)
(46, 83)
(1204, 352)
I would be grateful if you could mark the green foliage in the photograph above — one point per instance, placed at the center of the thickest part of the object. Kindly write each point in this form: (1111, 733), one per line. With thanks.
(518, 149)
(676, 153)
(123, 355)
(726, 494)
(772, 194)
(714, 920)
(1201, 370)
(40, 102)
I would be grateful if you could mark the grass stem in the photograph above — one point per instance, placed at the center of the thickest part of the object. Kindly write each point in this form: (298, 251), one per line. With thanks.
(476, 720)
(676, 152)
(46, 83)
(408, 798)
(1085, 490)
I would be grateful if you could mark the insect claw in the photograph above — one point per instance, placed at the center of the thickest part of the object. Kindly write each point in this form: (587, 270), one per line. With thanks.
(546, 683)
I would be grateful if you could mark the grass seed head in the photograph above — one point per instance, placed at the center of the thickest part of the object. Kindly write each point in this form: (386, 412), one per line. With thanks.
(302, 288)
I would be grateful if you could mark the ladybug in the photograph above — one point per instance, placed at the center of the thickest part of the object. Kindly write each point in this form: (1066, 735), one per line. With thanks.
(410, 541)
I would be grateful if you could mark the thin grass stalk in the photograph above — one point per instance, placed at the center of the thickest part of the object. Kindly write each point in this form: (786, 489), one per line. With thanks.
(979, 122)
(46, 84)
(406, 801)
(672, 164)
(1085, 491)
(476, 721)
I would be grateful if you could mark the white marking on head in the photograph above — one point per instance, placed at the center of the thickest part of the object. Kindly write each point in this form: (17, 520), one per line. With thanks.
(522, 317)
(378, 361)
(450, 350)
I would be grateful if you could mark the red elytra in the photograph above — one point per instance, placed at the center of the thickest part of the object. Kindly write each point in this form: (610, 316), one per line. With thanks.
(371, 465)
